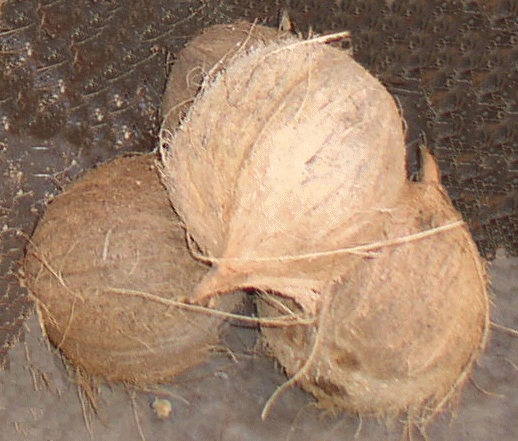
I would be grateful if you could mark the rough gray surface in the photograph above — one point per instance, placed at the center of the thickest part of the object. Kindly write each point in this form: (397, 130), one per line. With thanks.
(222, 400)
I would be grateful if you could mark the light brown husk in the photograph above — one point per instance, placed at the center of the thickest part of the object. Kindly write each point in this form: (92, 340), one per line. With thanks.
(112, 233)
(290, 150)
(404, 327)
(207, 53)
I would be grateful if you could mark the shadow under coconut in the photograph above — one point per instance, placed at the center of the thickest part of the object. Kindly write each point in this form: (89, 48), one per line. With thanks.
(221, 400)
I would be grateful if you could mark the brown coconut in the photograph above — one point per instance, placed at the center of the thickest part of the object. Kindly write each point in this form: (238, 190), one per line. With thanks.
(284, 157)
(400, 332)
(210, 50)
(103, 263)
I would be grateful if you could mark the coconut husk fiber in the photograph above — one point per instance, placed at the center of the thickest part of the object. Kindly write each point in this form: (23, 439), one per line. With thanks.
(401, 331)
(104, 264)
(287, 152)
(208, 51)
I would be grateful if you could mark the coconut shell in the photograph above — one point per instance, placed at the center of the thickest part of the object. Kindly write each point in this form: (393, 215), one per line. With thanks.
(211, 49)
(289, 151)
(402, 329)
(102, 254)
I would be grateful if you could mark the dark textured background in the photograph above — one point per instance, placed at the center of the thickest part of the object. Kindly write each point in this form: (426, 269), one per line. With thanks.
(81, 81)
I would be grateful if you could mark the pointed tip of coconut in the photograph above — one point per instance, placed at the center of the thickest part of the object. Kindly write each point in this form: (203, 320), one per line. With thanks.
(430, 172)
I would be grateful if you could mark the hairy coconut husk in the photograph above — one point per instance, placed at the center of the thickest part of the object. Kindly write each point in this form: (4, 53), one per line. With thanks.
(400, 332)
(285, 156)
(209, 51)
(104, 264)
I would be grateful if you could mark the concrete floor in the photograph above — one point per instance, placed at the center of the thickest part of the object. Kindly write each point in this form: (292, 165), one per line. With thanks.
(222, 400)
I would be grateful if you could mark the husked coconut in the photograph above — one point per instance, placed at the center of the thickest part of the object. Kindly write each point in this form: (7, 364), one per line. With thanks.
(399, 331)
(285, 156)
(105, 265)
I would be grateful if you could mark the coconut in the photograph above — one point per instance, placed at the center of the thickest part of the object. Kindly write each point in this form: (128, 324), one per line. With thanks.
(284, 157)
(105, 265)
(401, 330)
(209, 51)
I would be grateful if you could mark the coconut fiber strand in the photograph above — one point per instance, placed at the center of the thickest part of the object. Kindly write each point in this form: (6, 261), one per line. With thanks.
(102, 250)
(289, 150)
(401, 330)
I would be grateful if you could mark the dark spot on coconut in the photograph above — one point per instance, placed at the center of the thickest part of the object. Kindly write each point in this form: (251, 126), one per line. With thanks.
(347, 360)
(331, 388)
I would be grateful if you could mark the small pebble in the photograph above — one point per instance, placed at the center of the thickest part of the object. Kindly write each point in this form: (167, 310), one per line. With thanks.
(162, 408)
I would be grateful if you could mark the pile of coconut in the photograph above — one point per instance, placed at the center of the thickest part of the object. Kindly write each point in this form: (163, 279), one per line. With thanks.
(281, 170)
